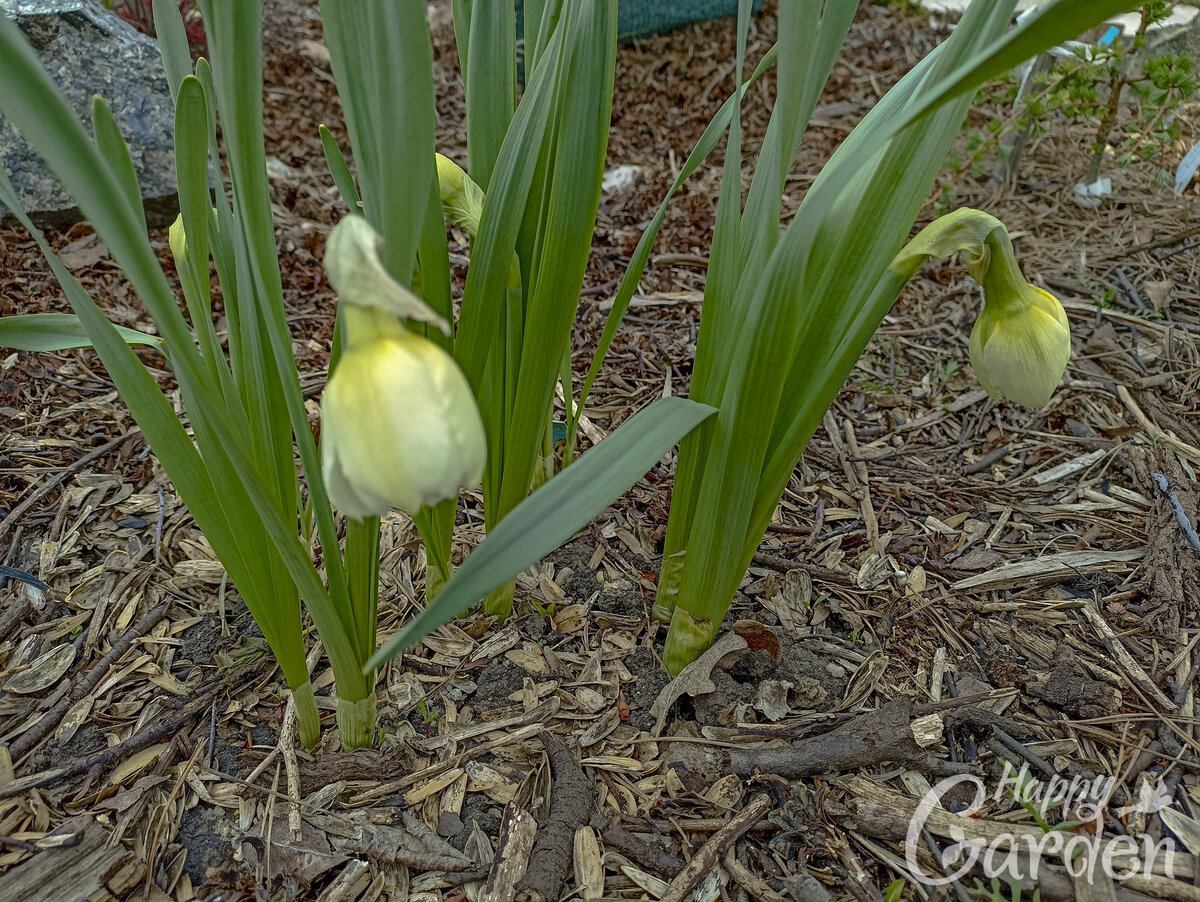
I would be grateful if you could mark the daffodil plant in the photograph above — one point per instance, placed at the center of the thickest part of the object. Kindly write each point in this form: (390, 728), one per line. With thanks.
(788, 312)
(528, 207)
(400, 426)
(234, 459)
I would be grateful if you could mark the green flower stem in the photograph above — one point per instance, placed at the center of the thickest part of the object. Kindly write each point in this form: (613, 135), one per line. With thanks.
(308, 721)
(356, 721)
(543, 469)
(688, 638)
(436, 526)
(362, 571)
(437, 574)
(500, 603)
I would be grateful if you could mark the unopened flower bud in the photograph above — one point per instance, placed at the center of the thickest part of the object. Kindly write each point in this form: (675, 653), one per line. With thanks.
(462, 198)
(399, 422)
(400, 426)
(1020, 346)
(1021, 342)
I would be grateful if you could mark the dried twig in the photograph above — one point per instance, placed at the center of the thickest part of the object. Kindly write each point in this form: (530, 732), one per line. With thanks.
(23, 506)
(572, 798)
(749, 881)
(650, 857)
(872, 738)
(155, 733)
(1134, 670)
(25, 743)
(710, 853)
(1181, 517)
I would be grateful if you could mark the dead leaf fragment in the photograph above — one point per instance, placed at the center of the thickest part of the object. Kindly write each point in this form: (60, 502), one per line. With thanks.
(74, 718)
(696, 678)
(589, 867)
(43, 672)
(83, 252)
(771, 700)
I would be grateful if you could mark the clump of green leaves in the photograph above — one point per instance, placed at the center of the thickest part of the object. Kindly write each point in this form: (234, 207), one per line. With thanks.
(1127, 101)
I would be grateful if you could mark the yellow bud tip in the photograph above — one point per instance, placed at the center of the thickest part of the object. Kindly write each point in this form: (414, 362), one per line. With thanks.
(1020, 345)
(450, 175)
(177, 238)
(401, 427)
(462, 199)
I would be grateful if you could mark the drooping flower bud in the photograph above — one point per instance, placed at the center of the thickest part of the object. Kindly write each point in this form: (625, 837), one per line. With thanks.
(1021, 343)
(1020, 346)
(399, 422)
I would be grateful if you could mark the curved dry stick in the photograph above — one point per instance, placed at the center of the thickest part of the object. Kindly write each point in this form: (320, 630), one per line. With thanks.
(571, 800)
(28, 740)
(710, 853)
(155, 733)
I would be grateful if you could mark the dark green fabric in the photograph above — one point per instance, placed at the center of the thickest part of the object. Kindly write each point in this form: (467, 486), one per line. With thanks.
(638, 19)
(642, 18)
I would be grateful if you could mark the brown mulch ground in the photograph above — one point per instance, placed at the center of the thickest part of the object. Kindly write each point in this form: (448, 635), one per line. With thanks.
(950, 583)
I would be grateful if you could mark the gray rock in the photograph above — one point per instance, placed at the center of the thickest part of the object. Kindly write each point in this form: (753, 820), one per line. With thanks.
(1179, 34)
(40, 7)
(90, 50)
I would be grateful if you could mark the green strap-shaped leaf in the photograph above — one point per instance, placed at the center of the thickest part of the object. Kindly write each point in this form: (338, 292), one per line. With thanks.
(57, 332)
(112, 147)
(492, 253)
(235, 37)
(491, 84)
(339, 170)
(554, 513)
(382, 60)
(31, 101)
(709, 139)
(172, 43)
(565, 226)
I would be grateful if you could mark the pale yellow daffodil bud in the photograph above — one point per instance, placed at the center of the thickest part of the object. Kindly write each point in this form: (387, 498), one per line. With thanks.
(177, 238)
(1020, 346)
(1021, 343)
(400, 427)
(462, 198)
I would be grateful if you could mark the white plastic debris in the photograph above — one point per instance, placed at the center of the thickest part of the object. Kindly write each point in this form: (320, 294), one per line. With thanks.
(1187, 169)
(1091, 195)
(619, 178)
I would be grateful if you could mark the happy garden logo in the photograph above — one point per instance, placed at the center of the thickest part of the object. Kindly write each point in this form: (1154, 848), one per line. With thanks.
(1080, 844)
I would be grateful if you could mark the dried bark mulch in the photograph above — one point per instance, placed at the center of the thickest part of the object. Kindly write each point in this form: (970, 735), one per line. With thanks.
(950, 582)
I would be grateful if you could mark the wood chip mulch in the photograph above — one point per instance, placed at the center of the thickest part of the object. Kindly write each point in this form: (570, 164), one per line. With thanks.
(951, 583)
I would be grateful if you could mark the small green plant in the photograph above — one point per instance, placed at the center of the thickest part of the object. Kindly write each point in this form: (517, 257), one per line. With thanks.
(428, 712)
(895, 890)
(545, 611)
(1023, 788)
(947, 369)
(1127, 105)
